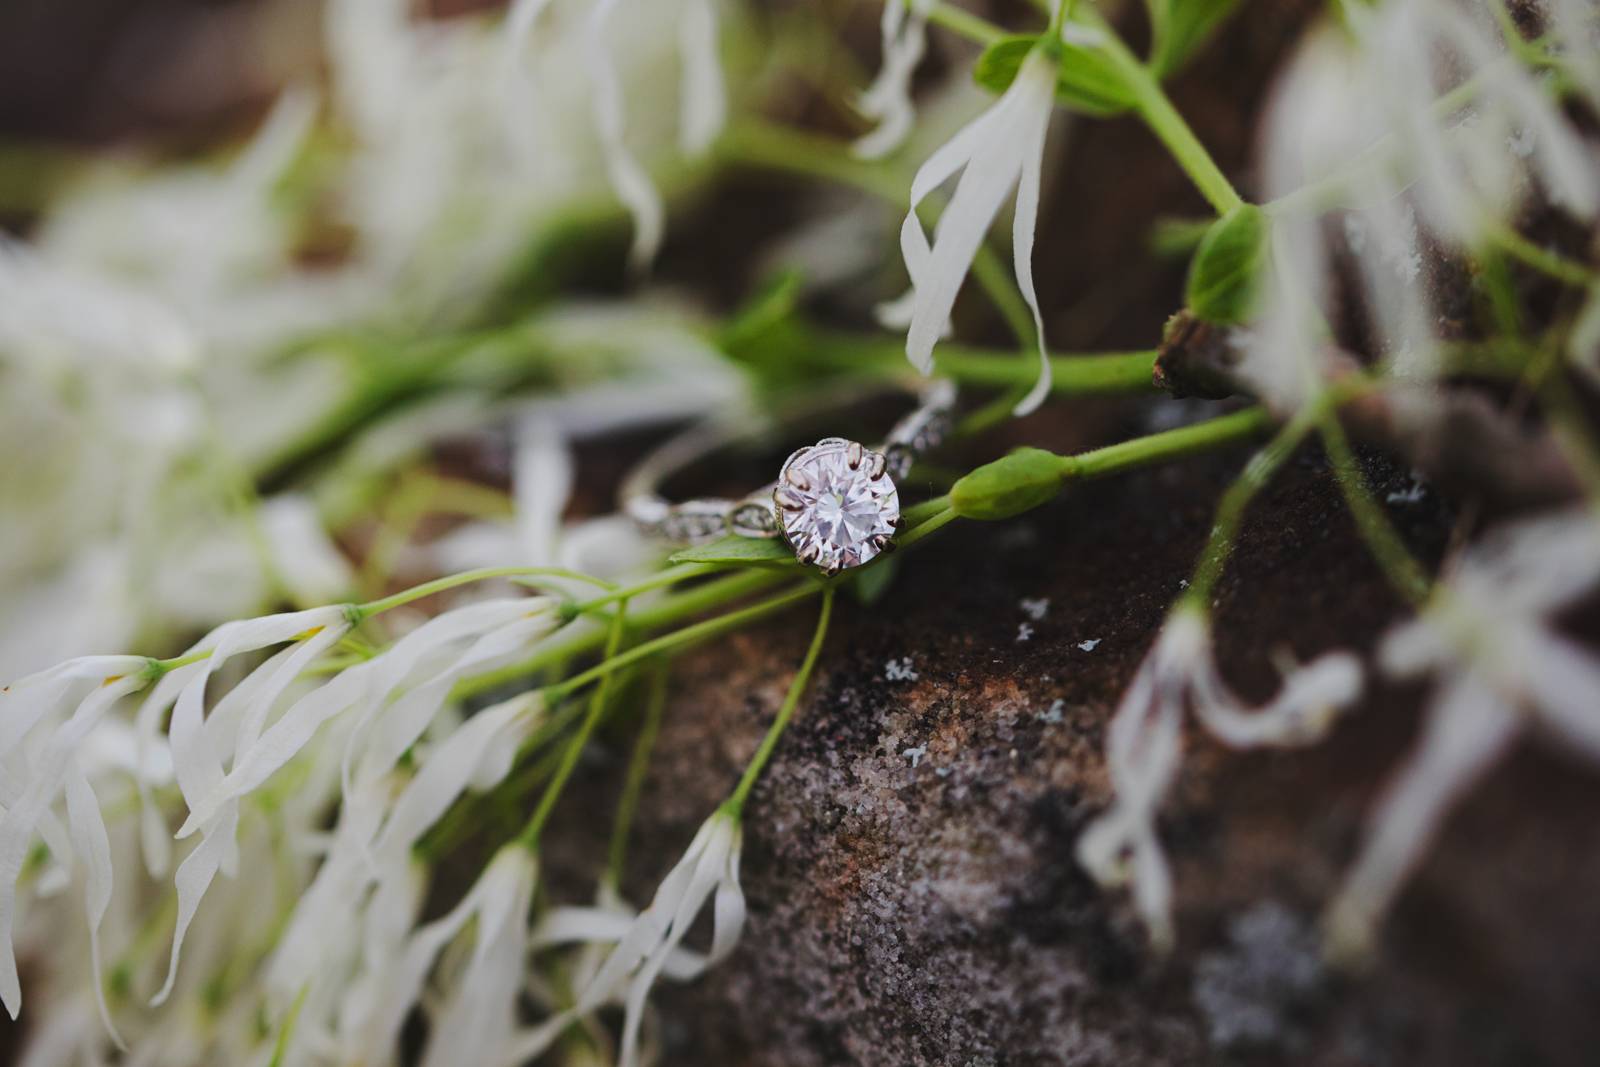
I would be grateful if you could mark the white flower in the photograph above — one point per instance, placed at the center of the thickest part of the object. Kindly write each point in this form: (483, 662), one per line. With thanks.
(1001, 149)
(476, 755)
(29, 786)
(479, 1016)
(704, 104)
(702, 99)
(93, 846)
(337, 919)
(1356, 121)
(1574, 24)
(199, 741)
(1502, 669)
(1320, 120)
(428, 662)
(888, 99)
(608, 921)
(422, 667)
(1144, 743)
(478, 1019)
(709, 867)
(630, 180)
(1467, 170)
(650, 945)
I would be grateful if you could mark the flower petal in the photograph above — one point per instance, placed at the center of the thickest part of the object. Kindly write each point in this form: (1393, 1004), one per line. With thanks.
(195, 875)
(1024, 220)
(94, 847)
(705, 103)
(488, 740)
(630, 181)
(542, 479)
(1467, 730)
(18, 823)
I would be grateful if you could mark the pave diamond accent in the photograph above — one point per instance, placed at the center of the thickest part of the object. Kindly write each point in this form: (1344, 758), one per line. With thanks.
(837, 505)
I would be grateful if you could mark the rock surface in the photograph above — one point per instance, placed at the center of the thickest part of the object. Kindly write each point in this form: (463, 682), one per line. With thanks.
(909, 858)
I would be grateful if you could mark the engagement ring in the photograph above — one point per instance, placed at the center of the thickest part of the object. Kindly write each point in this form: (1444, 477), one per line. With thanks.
(836, 503)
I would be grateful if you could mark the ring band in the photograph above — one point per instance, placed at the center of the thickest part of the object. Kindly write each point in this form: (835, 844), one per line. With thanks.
(836, 503)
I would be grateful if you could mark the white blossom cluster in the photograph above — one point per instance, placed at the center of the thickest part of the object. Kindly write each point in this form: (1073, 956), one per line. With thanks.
(1419, 122)
(288, 937)
(154, 306)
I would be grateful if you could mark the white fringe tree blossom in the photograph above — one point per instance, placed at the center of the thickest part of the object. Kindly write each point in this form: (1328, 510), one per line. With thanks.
(1358, 121)
(887, 101)
(649, 944)
(999, 151)
(1502, 669)
(1144, 745)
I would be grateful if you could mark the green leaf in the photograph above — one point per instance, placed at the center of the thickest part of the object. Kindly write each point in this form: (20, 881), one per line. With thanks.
(1086, 80)
(766, 336)
(744, 550)
(1225, 273)
(1009, 486)
(1180, 28)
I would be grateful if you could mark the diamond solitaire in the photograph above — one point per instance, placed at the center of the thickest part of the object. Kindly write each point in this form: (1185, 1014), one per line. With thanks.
(837, 505)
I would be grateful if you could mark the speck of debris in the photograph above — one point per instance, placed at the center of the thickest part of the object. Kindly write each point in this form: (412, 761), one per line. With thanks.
(1411, 494)
(1183, 583)
(1024, 631)
(1035, 607)
(1090, 644)
(899, 670)
(1054, 715)
(915, 754)
(1248, 992)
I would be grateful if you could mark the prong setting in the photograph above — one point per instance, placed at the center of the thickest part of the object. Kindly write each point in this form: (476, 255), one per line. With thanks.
(837, 506)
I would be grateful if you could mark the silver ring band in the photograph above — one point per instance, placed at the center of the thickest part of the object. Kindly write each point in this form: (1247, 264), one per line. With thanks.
(855, 470)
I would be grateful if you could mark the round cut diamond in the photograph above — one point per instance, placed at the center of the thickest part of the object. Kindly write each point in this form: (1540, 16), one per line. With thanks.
(835, 514)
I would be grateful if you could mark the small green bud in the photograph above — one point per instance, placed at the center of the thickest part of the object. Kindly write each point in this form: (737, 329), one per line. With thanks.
(1009, 486)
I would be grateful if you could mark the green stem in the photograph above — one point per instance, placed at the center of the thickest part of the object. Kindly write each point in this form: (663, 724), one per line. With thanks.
(734, 805)
(1230, 512)
(668, 576)
(929, 526)
(1526, 252)
(638, 768)
(365, 611)
(917, 514)
(580, 642)
(1399, 566)
(529, 838)
(1077, 374)
(962, 22)
(1164, 121)
(1168, 444)
(688, 635)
